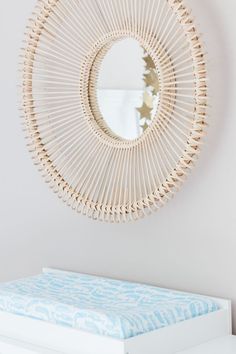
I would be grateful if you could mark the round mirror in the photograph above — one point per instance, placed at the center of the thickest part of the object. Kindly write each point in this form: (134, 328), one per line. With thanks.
(127, 89)
(84, 91)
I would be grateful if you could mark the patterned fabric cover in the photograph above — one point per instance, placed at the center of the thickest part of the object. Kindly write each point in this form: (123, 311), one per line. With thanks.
(101, 306)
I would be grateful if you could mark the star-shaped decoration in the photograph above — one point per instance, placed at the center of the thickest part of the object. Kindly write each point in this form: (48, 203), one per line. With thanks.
(151, 79)
(148, 99)
(156, 89)
(145, 126)
(149, 62)
(144, 111)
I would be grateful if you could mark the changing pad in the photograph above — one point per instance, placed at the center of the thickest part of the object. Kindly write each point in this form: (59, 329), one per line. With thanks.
(101, 306)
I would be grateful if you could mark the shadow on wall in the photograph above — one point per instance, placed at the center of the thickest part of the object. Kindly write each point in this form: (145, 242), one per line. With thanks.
(220, 67)
(219, 64)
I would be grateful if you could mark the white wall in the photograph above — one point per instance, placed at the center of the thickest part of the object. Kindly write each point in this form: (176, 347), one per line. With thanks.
(188, 245)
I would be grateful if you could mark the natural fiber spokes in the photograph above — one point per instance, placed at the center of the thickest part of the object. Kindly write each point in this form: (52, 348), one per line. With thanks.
(93, 171)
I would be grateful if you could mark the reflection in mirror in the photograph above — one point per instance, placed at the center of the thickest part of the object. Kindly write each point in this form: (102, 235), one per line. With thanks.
(128, 89)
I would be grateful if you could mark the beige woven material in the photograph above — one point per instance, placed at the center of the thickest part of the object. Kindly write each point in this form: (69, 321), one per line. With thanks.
(93, 170)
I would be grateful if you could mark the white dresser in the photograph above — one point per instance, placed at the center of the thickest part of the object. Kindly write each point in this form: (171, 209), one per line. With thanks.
(224, 345)
(11, 346)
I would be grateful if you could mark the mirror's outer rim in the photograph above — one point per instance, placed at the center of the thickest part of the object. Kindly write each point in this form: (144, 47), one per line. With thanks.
(165, 192)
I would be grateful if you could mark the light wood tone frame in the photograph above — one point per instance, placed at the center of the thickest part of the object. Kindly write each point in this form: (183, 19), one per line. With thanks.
(93, 171)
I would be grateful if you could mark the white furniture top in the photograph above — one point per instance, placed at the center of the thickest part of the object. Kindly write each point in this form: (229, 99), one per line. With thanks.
(224, 345)
(25, 335)
(102, 306)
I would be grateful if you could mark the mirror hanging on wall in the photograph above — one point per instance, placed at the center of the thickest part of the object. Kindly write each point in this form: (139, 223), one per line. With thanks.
(114, 100)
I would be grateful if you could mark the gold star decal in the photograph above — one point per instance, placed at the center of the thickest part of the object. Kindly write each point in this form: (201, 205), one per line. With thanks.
(151, 79)
(149, 62)
(145, 126)
(148, 99)
(156, 89)
(151, 90)
(144, 111)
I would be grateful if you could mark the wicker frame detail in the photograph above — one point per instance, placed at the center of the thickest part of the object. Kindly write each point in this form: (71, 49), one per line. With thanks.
(95, 172)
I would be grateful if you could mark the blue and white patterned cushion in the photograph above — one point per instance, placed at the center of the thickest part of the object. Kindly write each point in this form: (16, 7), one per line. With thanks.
(101, 306)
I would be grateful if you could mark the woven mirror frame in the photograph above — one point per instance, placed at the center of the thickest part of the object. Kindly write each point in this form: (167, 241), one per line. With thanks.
(91, 169)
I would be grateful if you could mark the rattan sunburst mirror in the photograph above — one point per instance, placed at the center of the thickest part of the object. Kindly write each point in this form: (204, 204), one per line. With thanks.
(93, 167)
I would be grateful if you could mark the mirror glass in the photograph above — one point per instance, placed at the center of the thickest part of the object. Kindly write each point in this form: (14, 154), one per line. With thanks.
(127, 89)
